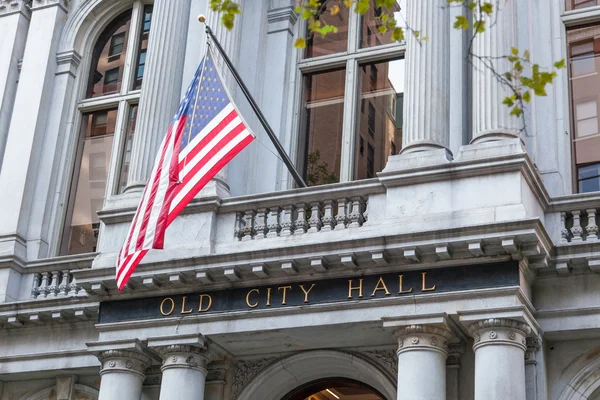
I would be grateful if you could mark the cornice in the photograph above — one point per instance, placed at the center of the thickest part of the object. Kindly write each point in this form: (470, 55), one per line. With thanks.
(9, 7)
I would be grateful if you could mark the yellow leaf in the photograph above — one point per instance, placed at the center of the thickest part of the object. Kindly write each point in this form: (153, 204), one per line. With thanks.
(300, 43)
(335, 9)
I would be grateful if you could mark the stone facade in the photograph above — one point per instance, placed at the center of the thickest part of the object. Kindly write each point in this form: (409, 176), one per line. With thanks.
(471, 189)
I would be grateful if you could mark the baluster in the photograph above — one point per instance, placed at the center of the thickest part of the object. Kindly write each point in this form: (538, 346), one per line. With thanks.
(315, 217)
(355, 218)
(63, 289)
(44, 285)
(341, 217)
(328, 220)
(74, 288)
(273, 227)
(366, 213)
(53, 287)
(287, 224)
(576, 230)
(249, 230)
(261, 223)
(238, 231)
(564, 232)
(301, 226)
(35, 291)
(592, 227)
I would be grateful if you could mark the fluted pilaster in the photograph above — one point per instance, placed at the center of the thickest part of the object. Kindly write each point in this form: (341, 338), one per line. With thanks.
(499, 346)
(491, 118)
(161, 88)
(427, 87)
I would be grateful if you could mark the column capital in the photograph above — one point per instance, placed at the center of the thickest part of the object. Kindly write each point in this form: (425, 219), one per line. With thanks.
(455, 352)
(8, 7)
(185, 356)
(422, 337)
(129, 361)
(499, 331)
(533, 344)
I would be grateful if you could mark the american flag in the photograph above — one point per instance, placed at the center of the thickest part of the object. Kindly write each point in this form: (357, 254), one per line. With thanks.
(205, 134)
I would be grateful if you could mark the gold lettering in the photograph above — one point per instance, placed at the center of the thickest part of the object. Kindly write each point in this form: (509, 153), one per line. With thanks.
(268, 296)
(162, 303)
(202, 297)
(306, 292)
(401, 290)
(424, 287)
(359, 288)
(285, 288)
(248, 298)
(383, 287)
(183, 310)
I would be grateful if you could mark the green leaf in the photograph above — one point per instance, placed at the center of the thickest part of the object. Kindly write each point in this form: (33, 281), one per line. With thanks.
(516, 111)
(487, 8)
(461, 22)
(514, 50)
(398, 34)
(560, 64)
(479, 26)
(527, 96)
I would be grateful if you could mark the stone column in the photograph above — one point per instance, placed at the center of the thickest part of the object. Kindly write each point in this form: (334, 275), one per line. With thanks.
(122, 374)
(422, 353)
(161, 88)
(14, 23)
(184, 372)
(491, 119)
(427, 81)
(499, 346)
(455, 351)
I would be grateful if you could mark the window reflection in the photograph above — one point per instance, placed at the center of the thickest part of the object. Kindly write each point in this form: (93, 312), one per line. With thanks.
(379, 131)
(577, 4)
(108, 58)
(144, 34)
(125, 160)
(373, 20)
(324, 113)
(335, 42)
(89, 182)
(589, 178)
(584, 64)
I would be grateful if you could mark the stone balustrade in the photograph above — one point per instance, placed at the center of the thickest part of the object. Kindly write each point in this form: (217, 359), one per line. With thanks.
(579, 225)
(50, 285)
(301, 218)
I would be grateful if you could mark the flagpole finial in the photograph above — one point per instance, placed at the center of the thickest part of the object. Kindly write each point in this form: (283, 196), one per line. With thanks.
(202, 18)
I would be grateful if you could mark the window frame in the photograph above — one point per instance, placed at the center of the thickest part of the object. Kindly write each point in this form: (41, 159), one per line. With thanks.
(123, 101)
(352, 59)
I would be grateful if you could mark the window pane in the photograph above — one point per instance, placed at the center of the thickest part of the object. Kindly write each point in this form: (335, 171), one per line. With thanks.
(335, 42)
(375, 18)
(144, 34)
(124, 170)
(577, 4)
(589, 178)
(380, 125)
(324, 114)
(108, 58)
(89, 182)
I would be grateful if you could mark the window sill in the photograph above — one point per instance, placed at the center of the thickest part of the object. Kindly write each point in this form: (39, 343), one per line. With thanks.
(582, 16)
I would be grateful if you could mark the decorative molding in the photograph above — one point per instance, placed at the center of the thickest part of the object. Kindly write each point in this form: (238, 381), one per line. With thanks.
(388, 358)
(8, 7)
(245, 370)
(38, 4)
(455, 352)
(153, 376)
(68, 62)
(124, 361)
(533, 344)
(423, 337)
(281, 20)
(184, 356)
(498, 331)
(217, 370)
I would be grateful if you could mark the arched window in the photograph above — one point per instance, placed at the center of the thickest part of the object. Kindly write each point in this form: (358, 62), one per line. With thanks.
(334, 389)
(109, 111)
(353, 87)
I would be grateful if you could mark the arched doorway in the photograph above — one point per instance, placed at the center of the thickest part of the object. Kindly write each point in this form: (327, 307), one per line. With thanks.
(334, 389)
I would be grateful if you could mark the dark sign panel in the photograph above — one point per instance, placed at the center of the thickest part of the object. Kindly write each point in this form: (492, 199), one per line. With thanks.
(362, 288)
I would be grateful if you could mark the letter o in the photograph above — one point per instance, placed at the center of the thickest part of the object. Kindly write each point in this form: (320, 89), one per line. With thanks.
(162, 303)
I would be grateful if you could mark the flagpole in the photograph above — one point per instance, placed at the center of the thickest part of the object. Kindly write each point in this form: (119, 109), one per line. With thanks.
(286, 160)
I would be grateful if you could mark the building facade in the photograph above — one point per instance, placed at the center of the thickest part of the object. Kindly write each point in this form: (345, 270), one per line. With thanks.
(443, 249)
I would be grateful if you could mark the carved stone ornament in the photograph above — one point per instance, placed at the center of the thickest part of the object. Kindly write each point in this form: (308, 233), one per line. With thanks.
(533, 346)
(423, 336)
(245, 370)
(44, 3)
(388, 358)
(497, 331)
(14, 6)
(185, 356)
(124, 361)
(455, 352)
(153, 376)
